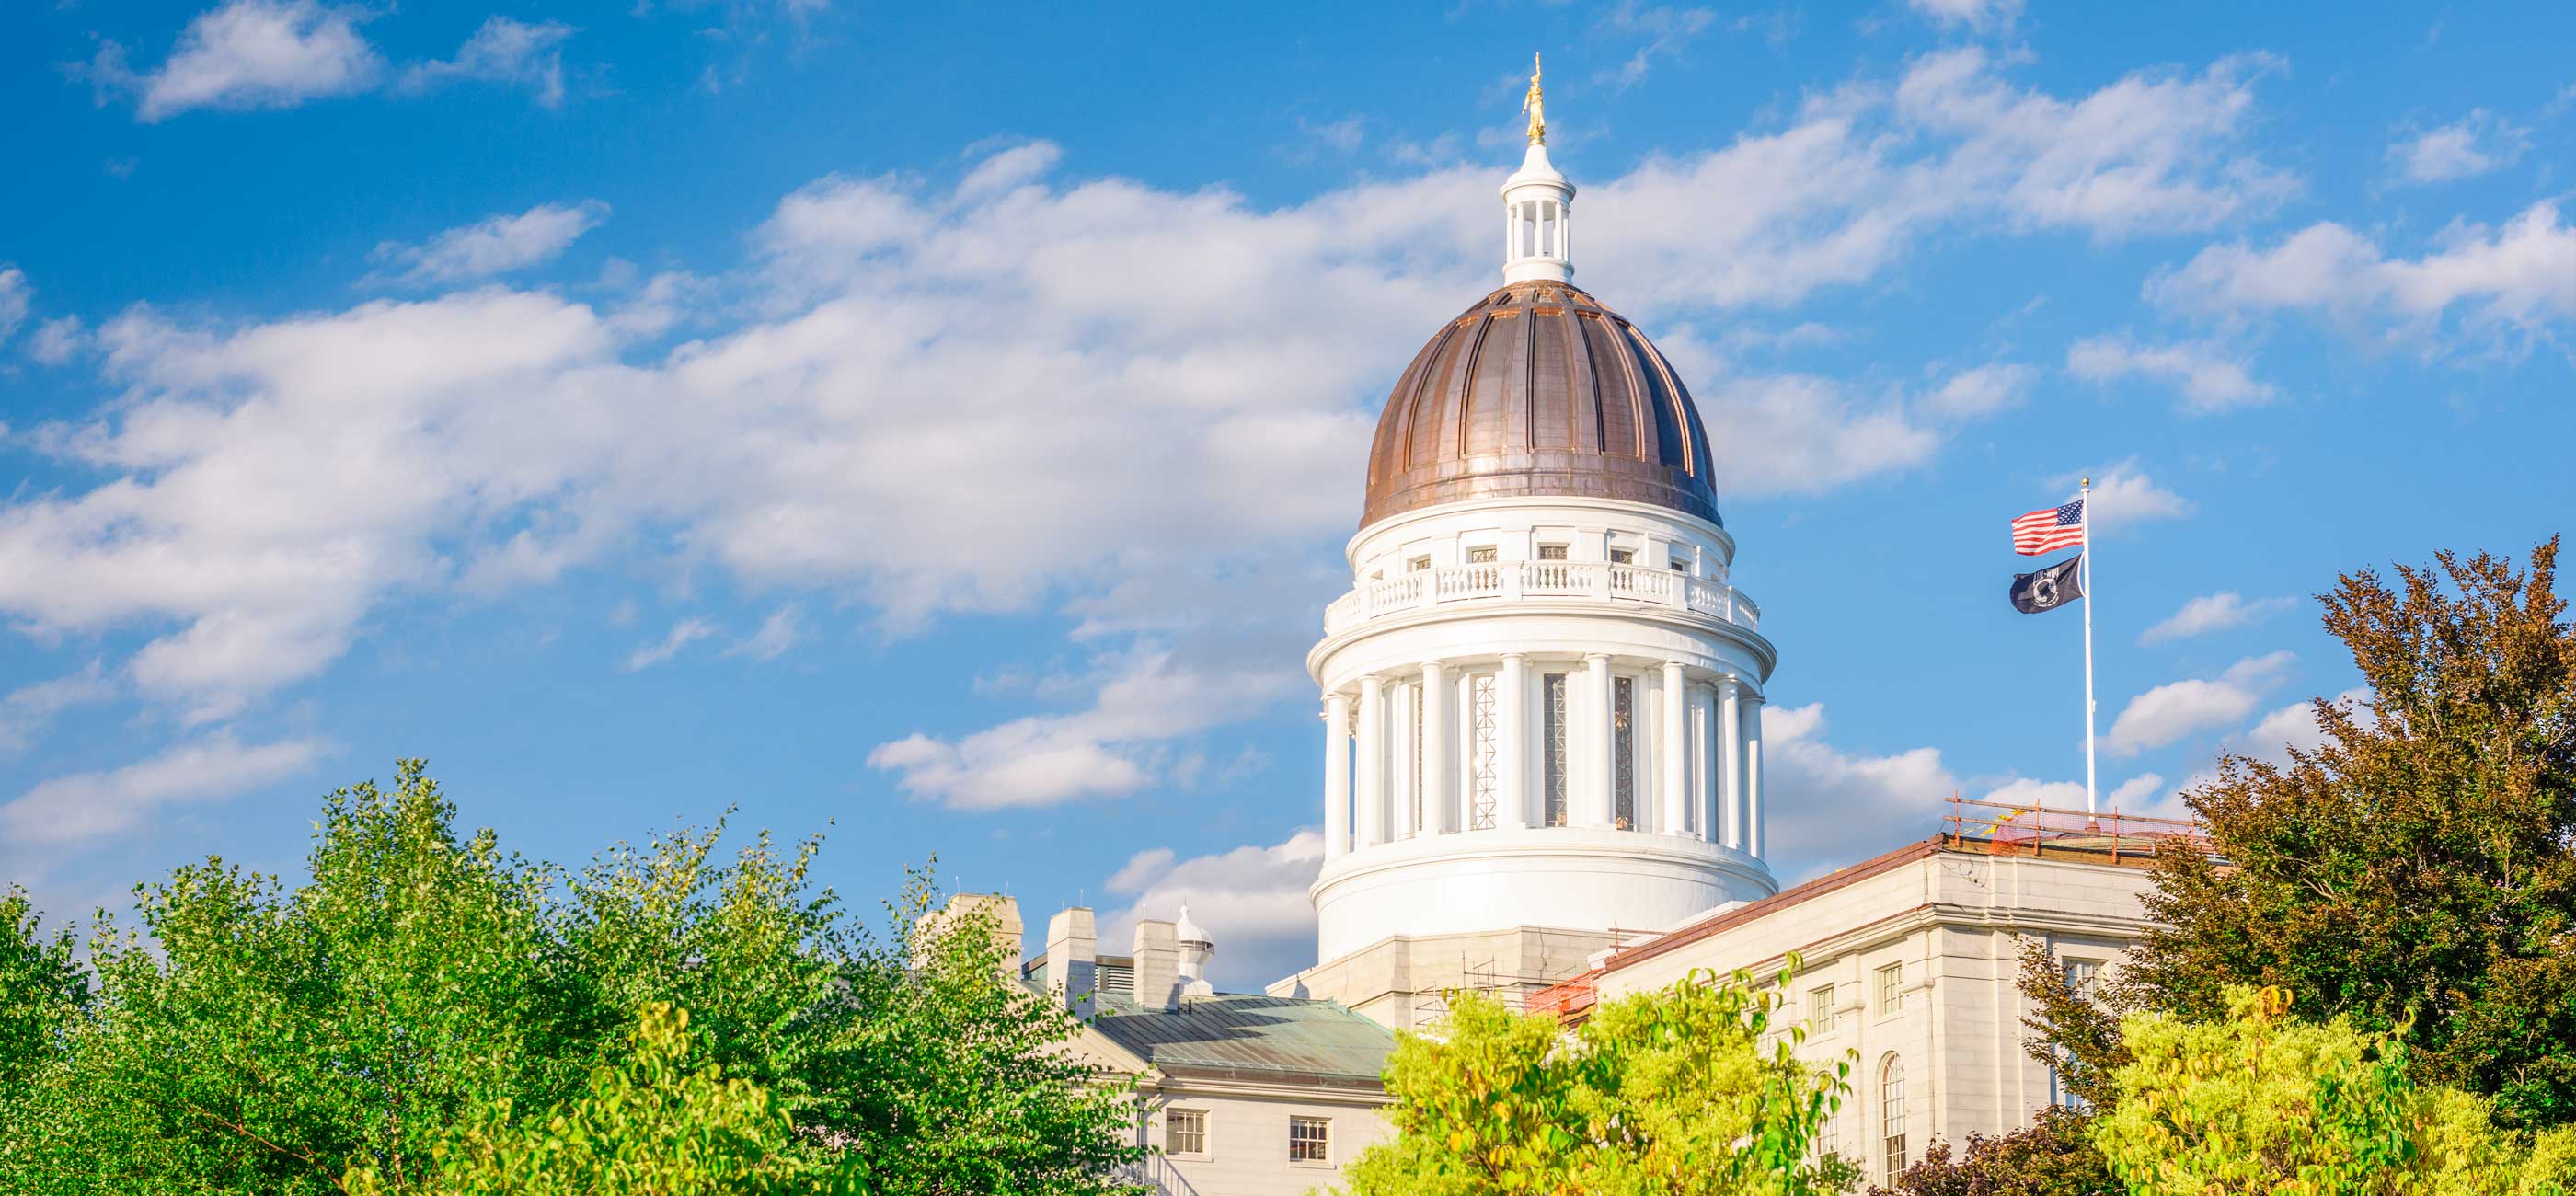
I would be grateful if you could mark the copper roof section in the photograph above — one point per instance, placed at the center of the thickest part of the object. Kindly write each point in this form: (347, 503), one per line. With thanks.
(1538, 390)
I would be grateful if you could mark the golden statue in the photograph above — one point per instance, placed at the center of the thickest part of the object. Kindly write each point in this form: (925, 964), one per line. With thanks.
(1535, 106)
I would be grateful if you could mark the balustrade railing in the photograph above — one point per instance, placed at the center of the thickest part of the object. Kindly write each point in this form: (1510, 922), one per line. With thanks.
(1491, 580)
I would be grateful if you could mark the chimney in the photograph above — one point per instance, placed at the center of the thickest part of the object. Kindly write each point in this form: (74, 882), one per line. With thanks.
(1000, 914)
(1194, 951)
(1158, 966)
(1071, 949)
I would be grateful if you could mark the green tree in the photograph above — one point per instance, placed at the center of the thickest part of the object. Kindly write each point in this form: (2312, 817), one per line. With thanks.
(2053, 1156)
(256, 1038)
(2259, 1102)
(649, 1125)
(1669, 1093)
(2415, 869)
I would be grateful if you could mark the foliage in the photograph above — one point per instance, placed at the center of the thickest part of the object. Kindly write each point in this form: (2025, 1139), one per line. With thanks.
(261, 1039)
(1669, 1093)
(2416, 869)
(40, 985)
(647, 1126)
(2053, 1156)
(2263, 1103)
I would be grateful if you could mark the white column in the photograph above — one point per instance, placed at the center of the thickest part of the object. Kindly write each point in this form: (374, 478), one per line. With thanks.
(1704, 786)
(1674, 748)
(1437, 800)
(1337, 774)
(1370, 758)
(1730, 763)
(1402, 780)
(1759, 843)
(1598, 805)
(1511, 723)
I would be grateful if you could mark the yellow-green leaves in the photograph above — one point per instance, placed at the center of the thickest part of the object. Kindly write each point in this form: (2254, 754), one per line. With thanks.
(1659, 1094)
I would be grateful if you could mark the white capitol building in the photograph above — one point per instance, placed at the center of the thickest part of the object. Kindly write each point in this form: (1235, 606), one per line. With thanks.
(1542, 720)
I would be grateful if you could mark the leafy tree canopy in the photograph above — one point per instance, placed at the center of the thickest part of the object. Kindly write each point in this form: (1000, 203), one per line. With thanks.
(256, 1038)
(2415, 870)
(2053, 1156)
(1669, 1093)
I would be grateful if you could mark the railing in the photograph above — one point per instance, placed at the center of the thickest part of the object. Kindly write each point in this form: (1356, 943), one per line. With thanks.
(1511, 580)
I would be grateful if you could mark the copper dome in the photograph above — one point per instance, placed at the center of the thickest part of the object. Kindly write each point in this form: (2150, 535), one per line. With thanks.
(1538, 390)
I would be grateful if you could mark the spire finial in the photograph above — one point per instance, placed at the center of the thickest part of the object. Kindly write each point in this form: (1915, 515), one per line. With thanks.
(1535, 105)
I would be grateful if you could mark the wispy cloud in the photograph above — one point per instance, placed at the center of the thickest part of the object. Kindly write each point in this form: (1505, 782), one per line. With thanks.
(503, 51)
(251, 54)
(83, 806)
(682, 634)
(2170, 712)
(490, 247)
(2208, 613)
(2207, 379)
(2467, 147)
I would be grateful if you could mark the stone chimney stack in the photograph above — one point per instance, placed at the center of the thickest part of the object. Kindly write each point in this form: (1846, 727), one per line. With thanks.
(1158, 966)
(1194, 951)
(1072, 957)
(1003, 914)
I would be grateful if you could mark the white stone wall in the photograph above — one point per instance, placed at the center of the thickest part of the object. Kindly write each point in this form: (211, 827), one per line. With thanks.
(1953, 922)
(1247, 1133)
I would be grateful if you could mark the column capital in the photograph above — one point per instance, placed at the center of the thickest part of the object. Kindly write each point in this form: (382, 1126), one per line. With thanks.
(1516, 656)
(1433, 665)
(1589, 657)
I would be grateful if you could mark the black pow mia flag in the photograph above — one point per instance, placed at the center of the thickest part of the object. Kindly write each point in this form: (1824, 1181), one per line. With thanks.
(2050, 588)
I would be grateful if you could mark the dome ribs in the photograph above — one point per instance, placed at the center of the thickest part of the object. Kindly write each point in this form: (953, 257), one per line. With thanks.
(1538, 390)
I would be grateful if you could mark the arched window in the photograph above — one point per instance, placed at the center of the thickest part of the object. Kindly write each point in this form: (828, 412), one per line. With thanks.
(1891, 1116)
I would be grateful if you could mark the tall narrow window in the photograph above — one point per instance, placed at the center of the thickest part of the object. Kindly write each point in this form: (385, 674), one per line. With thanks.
(1820, 1008)
(1420, 827)
(1891, 988)
(1484, 751)
(1554, 738)
(1623, 752)
(1891, 1116)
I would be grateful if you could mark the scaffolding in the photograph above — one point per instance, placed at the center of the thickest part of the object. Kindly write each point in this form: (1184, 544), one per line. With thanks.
(2000, 828)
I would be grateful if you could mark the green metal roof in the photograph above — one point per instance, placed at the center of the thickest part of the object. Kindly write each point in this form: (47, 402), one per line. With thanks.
(1250, 1034)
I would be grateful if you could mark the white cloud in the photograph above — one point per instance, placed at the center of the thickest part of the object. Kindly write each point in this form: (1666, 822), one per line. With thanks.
(777, 634)
(1251, 900)
(2178, 709)
(497, 245)
(2295, 726)
(1816, 795)
(1799, 434)
(15, 296)
(2124, 496)
(2517, 277)
(27, 710)
(56, 342)
(2471, 145)
(682, 634)
(2213, 612)
(1144, 700)
(1982, 391)
(259, 54)
(81, 806)
(1664, 30)
(503, 51)
(1975, 14)
(2208, 380)
(2028, 793)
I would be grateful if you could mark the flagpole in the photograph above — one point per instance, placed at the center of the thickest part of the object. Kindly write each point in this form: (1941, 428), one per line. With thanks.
(2089, 805)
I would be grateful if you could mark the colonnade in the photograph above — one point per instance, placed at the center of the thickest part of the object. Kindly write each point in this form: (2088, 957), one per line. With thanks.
(1520, 742)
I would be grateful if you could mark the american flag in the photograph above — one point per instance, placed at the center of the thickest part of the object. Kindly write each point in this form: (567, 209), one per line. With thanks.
(2049, 529)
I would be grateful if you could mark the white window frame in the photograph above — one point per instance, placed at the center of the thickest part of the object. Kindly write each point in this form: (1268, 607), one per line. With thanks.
(1894, 1154)
(1889, 999)
(1171, 1148)
(1294, 1121)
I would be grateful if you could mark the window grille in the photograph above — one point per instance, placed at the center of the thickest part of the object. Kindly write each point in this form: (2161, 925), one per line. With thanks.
(1481, 556)
(1310, 1140)
(2082, 975)
(1623, 556)
(1484, 751)
(1891, 987)
(1555, 741)
(1820, 1008)
(1185, 1131)
(1551, 552)
(1623, 751)
(1891, 1116)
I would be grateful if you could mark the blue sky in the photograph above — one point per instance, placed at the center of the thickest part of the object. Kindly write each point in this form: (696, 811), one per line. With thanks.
(944, 426)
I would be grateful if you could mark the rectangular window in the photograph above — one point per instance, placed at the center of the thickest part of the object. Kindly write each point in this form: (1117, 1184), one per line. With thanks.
(1829, 1136)
(2082, 975)
(1551, 552)
(1553, 737)
(1185, 1131)
(1481, 556)
(1310, 1140)
(1680, 565)
(1623, 752)
(1891, 988)
(1623, 556)
(1417, 564)
(1484, 752)
(1820, 1008)
(1894, 1145)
